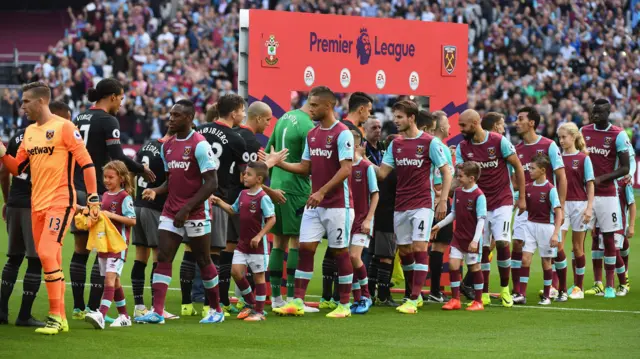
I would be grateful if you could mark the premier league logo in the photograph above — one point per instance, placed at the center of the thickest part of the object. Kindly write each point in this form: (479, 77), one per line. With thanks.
(420, 151)
(491, 152)
(358, 176)
(607, 142)
(575, 164)
(543, 197)
(253, 206)
(363, 47)
(50, 134)
(186, 153)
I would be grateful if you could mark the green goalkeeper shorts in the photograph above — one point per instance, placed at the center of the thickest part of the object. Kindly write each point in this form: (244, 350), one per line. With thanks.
(289, 215)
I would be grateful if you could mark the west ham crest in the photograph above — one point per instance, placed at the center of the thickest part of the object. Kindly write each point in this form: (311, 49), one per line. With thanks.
(50, 134)
(491, 151)
(187, 152)
(449, 55)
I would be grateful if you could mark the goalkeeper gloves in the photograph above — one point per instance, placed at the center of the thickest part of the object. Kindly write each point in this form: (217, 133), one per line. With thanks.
(93, 205)
(3, 149)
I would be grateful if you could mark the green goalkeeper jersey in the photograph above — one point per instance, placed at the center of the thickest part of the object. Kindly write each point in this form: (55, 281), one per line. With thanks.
(291, 132)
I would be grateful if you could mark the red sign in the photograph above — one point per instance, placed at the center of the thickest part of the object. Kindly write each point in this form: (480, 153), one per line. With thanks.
(298, 51)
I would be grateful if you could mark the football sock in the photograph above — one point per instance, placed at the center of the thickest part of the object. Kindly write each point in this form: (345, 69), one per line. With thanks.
(609, 258)
(345, 276)
(9, 278)
(328, 275)
(580, 264)
(384, 280)
(225, 276)
(485, 266)
(435, 264)
(187, 273)
(97, 285)
(478, 284)
(210, 281)
(420, 271)
(408, 262)
(597, 256)
(78, 276)
(624, 253)
(153, 270)
(30, 287)
(516, 264)
(363, 280)
(621, 270)
(454, 276)
(504, 264)
(573, 266)
(121, 303)
(261, 297)
(303, 273)
(137, 282)
(276, 259)
(161, 281)
(547, 275)
(245, 289)
(372, 271)
(524, 279)
(107, 299)
(355, 288)
(561, 270)
(292, 264)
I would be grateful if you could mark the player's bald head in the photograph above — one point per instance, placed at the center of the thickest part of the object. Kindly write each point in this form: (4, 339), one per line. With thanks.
(469, 123)
(470, 116)
(258, 109)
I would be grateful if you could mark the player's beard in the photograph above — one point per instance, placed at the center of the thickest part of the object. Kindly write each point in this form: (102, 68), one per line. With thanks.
(467, 136)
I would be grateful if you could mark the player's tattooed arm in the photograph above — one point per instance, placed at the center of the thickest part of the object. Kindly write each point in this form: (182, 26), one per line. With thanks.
(210, 184)
(621, 171)
(519, 172)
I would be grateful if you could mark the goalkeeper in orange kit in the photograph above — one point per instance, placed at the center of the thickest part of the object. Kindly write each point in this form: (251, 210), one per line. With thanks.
(50, 148)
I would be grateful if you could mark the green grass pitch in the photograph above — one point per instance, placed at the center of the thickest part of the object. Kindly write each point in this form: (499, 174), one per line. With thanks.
(593, 327)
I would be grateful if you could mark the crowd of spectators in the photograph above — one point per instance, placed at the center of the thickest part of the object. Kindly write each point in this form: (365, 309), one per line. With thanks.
(556, 54)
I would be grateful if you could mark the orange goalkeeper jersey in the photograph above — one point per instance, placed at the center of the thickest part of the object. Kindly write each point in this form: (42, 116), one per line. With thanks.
(51, 151)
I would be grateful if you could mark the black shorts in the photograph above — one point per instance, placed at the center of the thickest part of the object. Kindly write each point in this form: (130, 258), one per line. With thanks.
(145, 232)
(383, 244)
(20, 233)
(233, 229)
(445, 234)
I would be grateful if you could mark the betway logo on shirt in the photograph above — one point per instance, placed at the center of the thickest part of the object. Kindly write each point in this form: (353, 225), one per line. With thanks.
(489, 164)
(409, 162)
(41, 150)
(180, 165)
(599, 151)
(320, 152)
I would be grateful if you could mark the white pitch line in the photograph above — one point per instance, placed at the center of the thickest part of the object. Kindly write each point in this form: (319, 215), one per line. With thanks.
(574, 309)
